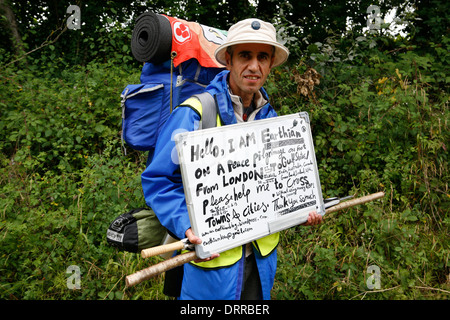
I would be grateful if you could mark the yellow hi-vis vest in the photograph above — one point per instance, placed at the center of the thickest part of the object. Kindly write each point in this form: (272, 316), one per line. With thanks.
(265, 246)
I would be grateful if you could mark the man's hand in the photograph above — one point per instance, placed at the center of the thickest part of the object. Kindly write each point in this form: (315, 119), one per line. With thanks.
(313, 219)
(196, 240)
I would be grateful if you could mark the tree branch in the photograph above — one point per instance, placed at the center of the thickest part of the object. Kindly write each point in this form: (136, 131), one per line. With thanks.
(47, 42)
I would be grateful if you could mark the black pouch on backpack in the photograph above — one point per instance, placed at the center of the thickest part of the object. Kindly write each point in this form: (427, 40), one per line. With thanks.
(136, 230)
(140, 229)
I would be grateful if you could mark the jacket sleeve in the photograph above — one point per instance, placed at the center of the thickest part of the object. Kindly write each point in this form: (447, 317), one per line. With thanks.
(161, 181)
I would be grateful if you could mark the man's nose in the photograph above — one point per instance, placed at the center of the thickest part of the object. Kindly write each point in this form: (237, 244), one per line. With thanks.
(253, 65)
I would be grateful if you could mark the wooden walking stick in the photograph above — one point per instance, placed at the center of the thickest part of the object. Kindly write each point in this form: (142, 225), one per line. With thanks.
(159, 268)
(181, 259)
(178, 245)
(355, 202)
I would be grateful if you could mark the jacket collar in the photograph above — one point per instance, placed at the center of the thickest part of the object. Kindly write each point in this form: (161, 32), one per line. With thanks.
(219, 89)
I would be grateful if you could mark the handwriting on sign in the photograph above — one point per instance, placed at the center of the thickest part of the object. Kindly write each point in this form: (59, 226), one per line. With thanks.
(238, 179)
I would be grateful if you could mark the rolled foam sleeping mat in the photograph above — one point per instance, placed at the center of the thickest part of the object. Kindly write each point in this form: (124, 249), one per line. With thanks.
(151, 38)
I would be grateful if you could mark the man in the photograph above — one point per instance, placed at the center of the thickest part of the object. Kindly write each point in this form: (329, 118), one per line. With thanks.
(250, 52)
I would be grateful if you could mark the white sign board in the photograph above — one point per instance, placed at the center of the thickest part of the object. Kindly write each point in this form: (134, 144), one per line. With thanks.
(245, 181)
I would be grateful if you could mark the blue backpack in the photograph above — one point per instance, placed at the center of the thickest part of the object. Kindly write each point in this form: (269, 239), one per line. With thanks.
(146, 106)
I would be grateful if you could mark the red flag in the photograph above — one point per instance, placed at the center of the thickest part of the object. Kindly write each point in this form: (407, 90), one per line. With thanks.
(193, 40)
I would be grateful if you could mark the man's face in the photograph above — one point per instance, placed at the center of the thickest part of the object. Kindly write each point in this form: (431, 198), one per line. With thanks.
(249, 67)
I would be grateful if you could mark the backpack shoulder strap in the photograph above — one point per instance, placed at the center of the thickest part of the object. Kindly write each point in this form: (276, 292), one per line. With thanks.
(209, 110)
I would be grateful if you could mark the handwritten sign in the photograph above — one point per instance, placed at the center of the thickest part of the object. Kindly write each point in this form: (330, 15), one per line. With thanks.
(245, 181)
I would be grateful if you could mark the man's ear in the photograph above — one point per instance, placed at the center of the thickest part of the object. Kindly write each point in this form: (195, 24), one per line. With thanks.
(228, 60)
(273, 60)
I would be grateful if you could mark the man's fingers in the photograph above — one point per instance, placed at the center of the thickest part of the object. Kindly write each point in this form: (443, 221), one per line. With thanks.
(196, 240)
(213, 256)
(313, 219)
(192, 237)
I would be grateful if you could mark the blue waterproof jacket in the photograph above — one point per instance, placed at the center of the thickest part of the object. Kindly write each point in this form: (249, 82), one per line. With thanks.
(163, 191)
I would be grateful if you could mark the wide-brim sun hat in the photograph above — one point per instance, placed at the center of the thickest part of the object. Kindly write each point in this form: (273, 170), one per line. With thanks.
(253, 31)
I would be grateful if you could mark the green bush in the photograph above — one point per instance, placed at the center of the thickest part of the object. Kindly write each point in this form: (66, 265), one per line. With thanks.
(380, 123)
(64, 178)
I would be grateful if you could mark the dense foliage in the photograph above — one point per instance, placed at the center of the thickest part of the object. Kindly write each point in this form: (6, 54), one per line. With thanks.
(380, 123)
(379, 111)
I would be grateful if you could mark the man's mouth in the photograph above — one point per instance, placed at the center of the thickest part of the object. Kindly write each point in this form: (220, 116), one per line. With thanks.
(252, 77)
